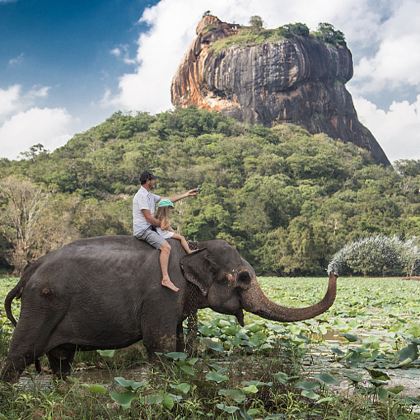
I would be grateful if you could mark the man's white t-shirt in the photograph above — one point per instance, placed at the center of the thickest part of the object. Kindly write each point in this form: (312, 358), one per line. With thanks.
(143, 199)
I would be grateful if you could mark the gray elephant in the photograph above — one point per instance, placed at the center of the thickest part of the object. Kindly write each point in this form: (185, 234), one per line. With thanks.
(105, 293)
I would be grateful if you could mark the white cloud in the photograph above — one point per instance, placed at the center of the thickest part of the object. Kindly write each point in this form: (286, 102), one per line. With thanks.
(13, 100)
(16, 60)
(48, 126)
(172, 27)
(22, 124)
(396, 61)
(397, 128)
(9, 100)
(123, 54)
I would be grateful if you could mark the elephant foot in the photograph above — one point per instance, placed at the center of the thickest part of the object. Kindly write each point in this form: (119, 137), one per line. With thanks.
(10, 372)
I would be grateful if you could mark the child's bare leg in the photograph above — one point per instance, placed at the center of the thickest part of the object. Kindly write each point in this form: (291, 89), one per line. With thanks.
(165, 251)
(184, 242)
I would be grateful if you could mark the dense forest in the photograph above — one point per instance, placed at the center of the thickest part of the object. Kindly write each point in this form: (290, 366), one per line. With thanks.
(288, 200)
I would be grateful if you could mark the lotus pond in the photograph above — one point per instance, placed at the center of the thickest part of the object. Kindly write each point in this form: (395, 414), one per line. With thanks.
(358, 360)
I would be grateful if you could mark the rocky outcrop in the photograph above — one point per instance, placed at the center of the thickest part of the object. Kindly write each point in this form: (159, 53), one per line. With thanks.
(299, 80)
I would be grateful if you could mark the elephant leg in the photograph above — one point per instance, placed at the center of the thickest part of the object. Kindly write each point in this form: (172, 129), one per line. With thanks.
(159, 337)
(61, 359)
(180, 342)
(192, 344)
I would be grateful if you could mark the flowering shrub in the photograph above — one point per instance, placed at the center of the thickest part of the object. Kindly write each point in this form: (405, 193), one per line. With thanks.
(378, 255)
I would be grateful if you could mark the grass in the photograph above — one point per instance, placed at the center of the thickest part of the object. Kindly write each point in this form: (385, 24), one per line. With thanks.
(246, 37)
(341, 365)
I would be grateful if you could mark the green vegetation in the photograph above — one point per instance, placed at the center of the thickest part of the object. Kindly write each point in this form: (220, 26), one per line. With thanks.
(358, 360)
(256, 23)
(247, 36)
(327, 33)
(255, 34)
(288, 200)
(378, 255)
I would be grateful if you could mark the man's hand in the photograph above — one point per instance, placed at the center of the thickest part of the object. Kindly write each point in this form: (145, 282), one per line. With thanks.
(192, 193)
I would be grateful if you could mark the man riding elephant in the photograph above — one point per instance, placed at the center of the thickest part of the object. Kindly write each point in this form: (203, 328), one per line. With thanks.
(144, 222)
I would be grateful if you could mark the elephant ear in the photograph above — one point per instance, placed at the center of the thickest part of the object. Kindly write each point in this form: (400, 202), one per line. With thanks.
(198, 269)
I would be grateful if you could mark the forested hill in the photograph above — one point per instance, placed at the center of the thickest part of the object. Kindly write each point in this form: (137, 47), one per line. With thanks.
(287, 199)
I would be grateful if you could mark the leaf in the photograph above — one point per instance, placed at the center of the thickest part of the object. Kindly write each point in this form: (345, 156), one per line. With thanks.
(383, 394)
(350, 337)
(123, 399)
(310, 394)
(168, 401)
(307, 385)
(182, 387)
(396, 389)
(227, 408)
(354, 377)
(95, 388)
(176, 355)
(327, 379)
(281, 377)
(256, 383)
(216, 377)
(215, 346)
(127, 383)
(324, 400)
(408, 355)
(106, 353)
(250, 389)
(154, 398)
(337, 351)
(378, 374)
(235, 394)
(189, 370)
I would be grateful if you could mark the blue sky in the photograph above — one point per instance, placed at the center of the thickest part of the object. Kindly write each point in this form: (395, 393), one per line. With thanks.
(65, 44)
(67, 65)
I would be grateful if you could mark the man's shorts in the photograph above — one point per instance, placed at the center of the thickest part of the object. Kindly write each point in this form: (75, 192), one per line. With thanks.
(151, 237)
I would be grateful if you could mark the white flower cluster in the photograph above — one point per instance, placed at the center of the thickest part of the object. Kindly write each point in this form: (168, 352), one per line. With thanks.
(378, 255)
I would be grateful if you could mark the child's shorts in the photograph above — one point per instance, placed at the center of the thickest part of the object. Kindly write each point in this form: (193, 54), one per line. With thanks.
(165, 233)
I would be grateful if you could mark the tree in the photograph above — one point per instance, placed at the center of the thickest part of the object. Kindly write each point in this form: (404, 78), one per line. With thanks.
(28, 221)
(34, 151)
(294, 29)
(256, 23)
(327, 33)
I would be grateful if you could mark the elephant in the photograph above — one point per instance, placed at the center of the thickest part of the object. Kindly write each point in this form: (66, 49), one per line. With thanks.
(104, 293)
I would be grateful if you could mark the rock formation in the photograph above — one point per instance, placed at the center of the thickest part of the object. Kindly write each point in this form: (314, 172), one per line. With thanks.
(298, 79)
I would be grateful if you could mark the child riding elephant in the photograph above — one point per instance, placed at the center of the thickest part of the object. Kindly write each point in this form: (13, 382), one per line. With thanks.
(145, 224)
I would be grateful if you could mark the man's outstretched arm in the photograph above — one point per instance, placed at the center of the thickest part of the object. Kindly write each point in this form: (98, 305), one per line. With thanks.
(190, 193)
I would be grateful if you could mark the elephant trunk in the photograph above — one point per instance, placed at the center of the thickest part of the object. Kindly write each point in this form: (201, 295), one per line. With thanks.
(254, 300)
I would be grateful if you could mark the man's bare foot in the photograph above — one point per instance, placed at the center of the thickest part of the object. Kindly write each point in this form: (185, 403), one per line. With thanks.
(166, 282)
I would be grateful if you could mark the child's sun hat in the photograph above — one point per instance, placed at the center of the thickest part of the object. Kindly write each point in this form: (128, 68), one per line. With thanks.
(166, 203)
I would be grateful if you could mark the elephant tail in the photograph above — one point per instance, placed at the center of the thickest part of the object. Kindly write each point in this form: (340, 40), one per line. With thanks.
(16, 292)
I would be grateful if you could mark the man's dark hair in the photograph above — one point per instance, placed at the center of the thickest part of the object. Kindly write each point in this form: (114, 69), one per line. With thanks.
(145, 176)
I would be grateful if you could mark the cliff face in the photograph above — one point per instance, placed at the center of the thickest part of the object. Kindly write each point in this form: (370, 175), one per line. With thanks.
(300, 80)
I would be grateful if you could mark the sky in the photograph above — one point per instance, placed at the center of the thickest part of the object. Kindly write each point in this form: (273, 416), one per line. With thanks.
(66, 66)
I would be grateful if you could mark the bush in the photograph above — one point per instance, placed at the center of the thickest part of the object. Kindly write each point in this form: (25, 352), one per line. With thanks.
(327, 33)
(378, 255)
(294, 29)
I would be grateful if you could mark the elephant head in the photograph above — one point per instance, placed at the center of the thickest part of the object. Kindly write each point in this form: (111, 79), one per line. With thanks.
(228, 284)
